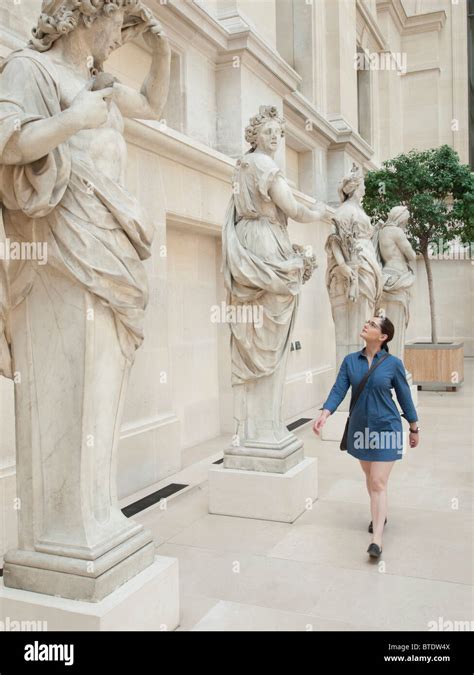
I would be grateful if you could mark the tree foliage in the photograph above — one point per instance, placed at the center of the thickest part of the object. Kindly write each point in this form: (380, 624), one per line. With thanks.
(437, 189)
(439, 193)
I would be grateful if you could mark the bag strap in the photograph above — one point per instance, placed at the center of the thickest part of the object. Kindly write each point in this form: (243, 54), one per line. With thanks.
(355, 397)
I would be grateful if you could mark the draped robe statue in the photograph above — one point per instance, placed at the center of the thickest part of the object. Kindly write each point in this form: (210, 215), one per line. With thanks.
(265, 272)
(354, 276)
(70, 324)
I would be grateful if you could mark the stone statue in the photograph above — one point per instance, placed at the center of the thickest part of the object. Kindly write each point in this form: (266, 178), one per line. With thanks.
(72, 325)
(264, 273)
(396, 254)
(354, 275)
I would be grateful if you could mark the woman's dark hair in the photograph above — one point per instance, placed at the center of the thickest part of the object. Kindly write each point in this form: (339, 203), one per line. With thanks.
(387, 327)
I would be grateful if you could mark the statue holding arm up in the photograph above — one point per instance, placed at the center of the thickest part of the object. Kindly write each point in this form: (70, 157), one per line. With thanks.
(74, 322)
(263, 272)
(354, 276)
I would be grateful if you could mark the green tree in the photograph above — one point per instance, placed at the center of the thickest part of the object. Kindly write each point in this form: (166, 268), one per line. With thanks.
(439, 193)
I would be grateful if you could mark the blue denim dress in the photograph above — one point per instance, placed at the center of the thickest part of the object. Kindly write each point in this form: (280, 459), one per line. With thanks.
(375, 427)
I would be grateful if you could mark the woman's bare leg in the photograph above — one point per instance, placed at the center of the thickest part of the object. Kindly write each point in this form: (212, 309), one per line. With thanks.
(366, 469)
(378, 481)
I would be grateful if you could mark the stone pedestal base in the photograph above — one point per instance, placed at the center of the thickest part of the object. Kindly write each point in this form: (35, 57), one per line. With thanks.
(275, 458)
(148, 602)
(262, 495)
(80, 578)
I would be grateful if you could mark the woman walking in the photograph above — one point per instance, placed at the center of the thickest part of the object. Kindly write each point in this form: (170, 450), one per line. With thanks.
(374, 433)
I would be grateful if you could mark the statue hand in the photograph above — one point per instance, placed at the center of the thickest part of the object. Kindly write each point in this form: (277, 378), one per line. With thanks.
(91, 107)
(321, 208)
(143, 22)
(157, 40)
(347, 272)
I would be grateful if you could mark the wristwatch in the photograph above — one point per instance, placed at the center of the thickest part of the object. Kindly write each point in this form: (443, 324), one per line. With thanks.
(415, 431)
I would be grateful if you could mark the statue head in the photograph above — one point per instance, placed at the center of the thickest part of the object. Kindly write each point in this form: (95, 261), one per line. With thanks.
(103, 23)
(398, 216)
(265, 130)
(352, 185)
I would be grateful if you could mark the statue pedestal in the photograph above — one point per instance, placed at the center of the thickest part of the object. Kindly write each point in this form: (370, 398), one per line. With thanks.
(148, 602)
(263, 495)
(77, 574)
(276, 458)
(73, 541)
(265, 443)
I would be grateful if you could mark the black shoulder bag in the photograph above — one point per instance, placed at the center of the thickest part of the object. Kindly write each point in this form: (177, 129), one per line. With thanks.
(355, 397)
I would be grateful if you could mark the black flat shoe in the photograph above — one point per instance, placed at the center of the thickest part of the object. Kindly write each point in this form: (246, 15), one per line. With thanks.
(371, 527)
(374, 551)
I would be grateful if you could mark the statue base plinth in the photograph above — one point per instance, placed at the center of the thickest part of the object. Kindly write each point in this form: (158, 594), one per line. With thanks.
(148, 602)
(76, 578)
(278, 457)
(264, 495)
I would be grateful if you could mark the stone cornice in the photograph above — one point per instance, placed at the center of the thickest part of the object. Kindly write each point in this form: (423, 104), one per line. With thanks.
(182, 150)
(249, 41)
(195, 17)
(371, 22)
(177, 147)
(424, 67)
(333, 131)
(234, 36)
(277, 81)
(413, 24)
(322, 129)
(230, 35)
(197, 224)
(301, 138)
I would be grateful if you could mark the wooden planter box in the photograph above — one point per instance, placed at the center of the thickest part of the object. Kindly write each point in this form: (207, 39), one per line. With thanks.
(439, 366)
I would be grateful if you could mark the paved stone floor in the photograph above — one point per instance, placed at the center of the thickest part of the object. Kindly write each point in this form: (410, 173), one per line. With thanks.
(314, 574)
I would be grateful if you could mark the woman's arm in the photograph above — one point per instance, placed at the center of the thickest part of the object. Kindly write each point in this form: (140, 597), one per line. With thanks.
(281, 194)
(402, 390)
(336, 396)
(339, 388)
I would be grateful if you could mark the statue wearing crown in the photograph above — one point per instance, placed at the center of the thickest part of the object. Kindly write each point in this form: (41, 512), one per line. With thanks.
(69, 328)
(354, 275)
